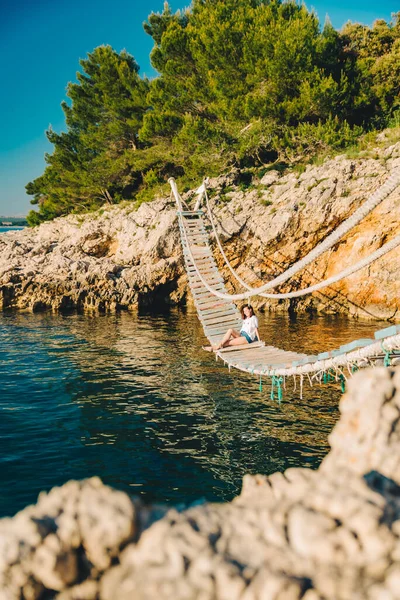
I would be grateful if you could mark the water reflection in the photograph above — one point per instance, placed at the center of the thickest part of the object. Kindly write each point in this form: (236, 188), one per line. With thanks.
(132, 399)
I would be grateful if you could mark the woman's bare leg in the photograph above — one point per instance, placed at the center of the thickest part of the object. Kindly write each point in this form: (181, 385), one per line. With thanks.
(239, 341)
(231, 338)
(230, 334)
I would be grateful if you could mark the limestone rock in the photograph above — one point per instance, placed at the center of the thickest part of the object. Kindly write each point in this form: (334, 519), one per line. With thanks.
(106, 520)
(73, 532)
(107, 261)
(368, 440)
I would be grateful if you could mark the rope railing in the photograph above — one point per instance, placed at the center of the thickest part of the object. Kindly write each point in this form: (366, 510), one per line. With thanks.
(345, 360)
(321, 370)
(388, 247)
(313, 288)
(376, 198)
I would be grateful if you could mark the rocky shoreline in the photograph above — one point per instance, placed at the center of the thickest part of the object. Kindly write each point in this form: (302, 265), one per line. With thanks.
(121, 259)
(330, 534)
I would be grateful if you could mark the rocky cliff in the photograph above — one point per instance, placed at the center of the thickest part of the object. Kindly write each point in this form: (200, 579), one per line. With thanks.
(330, 534)
(121, 258)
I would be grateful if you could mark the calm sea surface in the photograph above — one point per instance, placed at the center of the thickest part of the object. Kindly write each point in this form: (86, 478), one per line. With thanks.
(4, 229)
(132, 399)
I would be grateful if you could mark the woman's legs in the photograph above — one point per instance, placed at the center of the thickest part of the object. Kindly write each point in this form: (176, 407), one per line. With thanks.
(239, 341)
(231, 338)
(231, 334)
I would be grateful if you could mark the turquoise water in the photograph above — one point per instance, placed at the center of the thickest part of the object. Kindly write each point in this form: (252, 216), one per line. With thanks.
(130, 398)
(4, 229)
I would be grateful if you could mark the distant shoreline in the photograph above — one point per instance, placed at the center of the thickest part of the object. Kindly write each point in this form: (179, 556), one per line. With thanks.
(4, 228)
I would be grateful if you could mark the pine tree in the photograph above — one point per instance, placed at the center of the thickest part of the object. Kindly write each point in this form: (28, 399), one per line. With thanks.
(91, 163)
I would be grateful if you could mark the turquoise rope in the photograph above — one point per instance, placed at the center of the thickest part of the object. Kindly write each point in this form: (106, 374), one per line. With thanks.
(272, 387)
(260, 383)
(342, 383)
(386, 360)
(276, 382)
(279, 381)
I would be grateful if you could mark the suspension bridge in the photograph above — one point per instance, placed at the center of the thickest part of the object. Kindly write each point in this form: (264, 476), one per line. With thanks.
(217, 311)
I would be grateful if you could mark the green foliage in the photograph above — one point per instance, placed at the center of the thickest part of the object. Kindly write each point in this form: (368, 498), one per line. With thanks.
(266, 202)
(33, 218)
(247, 82)
(91, 162)
(394, 120)
(308, 139)
(375, 52)
(241, 82)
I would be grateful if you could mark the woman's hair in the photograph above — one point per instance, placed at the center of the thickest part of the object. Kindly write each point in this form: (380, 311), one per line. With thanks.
(246, 306)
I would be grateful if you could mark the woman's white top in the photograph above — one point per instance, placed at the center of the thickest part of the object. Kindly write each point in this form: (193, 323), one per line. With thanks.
(249, 326)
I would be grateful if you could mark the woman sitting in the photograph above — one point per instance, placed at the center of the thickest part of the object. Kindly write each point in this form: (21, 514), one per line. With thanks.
(247, 335)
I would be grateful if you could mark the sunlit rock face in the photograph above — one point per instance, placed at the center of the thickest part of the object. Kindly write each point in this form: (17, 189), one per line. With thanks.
(114, 259)
(287, 214)
(120, 258)
(330, 534)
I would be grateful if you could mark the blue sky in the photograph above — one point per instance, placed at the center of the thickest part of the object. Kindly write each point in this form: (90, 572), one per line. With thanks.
(41, 42)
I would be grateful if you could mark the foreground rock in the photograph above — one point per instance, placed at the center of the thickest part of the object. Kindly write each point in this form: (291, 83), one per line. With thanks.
(120, 258)
(330, 534)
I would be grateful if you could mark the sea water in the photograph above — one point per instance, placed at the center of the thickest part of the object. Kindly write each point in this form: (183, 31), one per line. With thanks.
(133, 399)
(16, 228)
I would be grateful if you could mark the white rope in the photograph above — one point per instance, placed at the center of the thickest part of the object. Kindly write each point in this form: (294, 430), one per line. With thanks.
(394, 180)
(395, 242)
(318, 286)
(330, 241)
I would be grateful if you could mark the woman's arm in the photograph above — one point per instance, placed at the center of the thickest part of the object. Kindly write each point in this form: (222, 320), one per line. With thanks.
(258, 335)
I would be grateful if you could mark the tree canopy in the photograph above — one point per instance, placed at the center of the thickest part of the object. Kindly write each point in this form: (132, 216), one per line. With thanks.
(90, 164)
(239, 82)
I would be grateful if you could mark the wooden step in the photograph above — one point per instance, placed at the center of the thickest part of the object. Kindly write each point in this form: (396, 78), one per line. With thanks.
(211, 303)
(193, 238)
(197, 262)
(203, 263)
(221, 331)
(204, 270)
(252, 346)
(215, 319)
(208, 276)
(200, 254)
(214, 282)
(203, 292)
(192, 223)
(223, 307)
